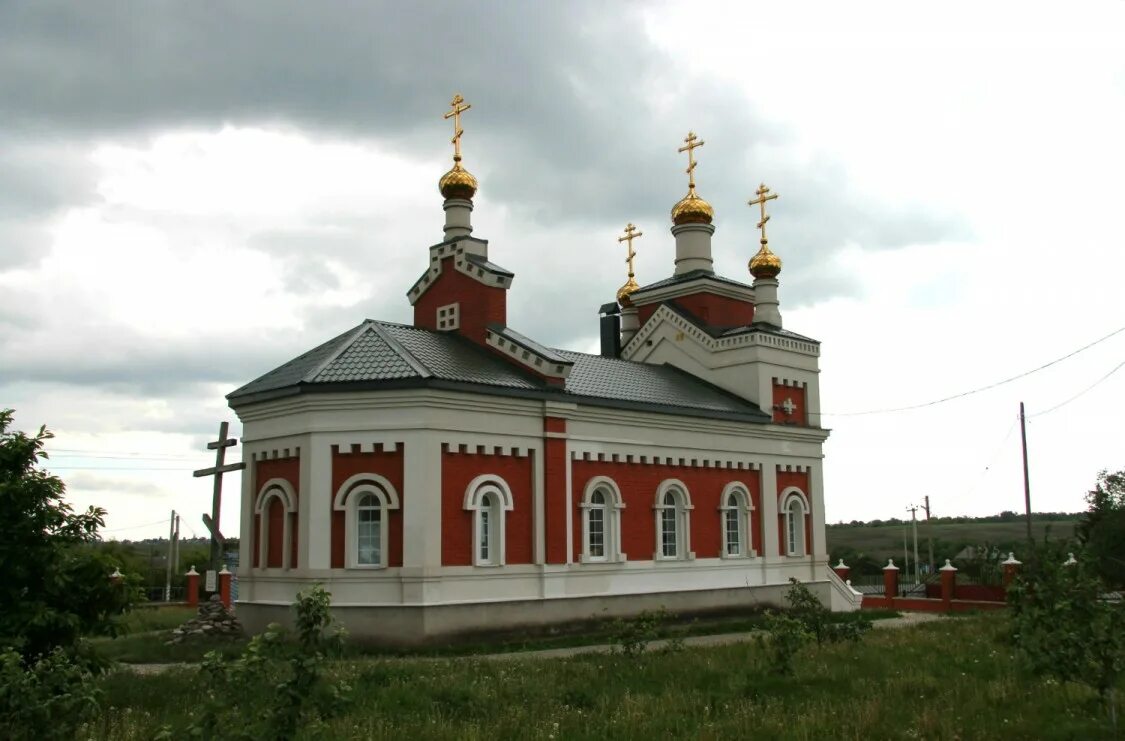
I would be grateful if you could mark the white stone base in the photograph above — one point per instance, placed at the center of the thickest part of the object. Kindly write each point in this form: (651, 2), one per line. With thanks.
(418, 625)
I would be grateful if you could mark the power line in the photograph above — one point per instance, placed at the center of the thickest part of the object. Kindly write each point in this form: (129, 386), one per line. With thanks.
(1080, 393)
(118, 457)
(80, 451)
(132, 527)
(113, 468)
(976, 390)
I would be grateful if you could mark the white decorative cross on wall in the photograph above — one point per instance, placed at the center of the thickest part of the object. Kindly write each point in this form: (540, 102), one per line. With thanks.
(788, 406)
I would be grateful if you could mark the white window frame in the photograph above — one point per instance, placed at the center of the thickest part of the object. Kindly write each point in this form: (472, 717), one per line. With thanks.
(611, 524)
(283, 491)
(790, 497)
(744, 506)
(347, 500)
(500, 496)
(448, 317)
(682, 508)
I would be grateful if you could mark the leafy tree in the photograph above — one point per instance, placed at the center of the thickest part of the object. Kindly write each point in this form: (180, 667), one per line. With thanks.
(294, 697)
(1102, 527)
(49, 698)
(53, 590)
(1063, 625)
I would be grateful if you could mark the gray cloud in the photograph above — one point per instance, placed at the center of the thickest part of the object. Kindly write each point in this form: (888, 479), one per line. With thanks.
(93, 482)
(565, 131)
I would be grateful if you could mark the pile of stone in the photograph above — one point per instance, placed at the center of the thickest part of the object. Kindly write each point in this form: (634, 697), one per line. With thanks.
(213, 620)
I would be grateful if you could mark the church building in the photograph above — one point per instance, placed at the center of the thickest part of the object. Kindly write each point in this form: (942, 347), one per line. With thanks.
(454, 475)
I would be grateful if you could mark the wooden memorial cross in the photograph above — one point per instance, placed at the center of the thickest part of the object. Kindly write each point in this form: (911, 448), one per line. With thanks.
(212, 521)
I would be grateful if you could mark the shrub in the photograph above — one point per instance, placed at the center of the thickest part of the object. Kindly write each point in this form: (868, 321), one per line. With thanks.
(632, 636)
(817, 620)
(784, 636)
(1064, 628)
(293, 692)
(45, 698)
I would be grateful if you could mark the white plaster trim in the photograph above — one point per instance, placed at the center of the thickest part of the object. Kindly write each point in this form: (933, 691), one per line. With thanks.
(347, 499)
(489, 484)
(346, 489)
(528, 357)
(702, 284)
(683, 509)
(665, 315)
(745, 507)
(456, 250)
(611, 524)
(787, 496)
(287, 495)
(283, 491)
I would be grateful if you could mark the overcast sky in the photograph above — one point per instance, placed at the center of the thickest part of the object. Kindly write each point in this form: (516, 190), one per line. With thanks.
(191, 194)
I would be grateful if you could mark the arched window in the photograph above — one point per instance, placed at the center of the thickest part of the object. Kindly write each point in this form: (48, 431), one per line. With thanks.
(274, 509)
(794, 512)
(601, 521)
(488, 497)
(366, 500)
(673, 523)
(736, 522)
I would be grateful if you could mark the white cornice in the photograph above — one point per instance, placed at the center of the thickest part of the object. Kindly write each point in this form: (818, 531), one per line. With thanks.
(665, 315)
(456, 250)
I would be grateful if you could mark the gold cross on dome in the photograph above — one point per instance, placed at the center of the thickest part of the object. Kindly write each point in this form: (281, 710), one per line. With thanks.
(691, 141)
(631, 233)
(764, 195)
(457, 106)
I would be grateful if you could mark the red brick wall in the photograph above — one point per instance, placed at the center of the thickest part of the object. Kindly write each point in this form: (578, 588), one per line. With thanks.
(480, 304)
(289, 470)
(710, 308)
(638, 483)
(786, 479)
(348, 464)
(554, 494)
(797, 396)
(457, 470)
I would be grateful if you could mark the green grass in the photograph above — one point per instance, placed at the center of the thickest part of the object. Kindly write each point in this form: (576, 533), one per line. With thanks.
(942, 680)
(151, 648)
(142, 619)
(885, 541)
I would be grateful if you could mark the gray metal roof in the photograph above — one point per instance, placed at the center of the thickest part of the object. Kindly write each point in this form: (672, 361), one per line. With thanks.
(527, 343)
(383, 355)
(491, 267)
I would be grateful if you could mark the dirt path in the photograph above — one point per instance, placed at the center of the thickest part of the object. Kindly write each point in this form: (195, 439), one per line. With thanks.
(720, 639)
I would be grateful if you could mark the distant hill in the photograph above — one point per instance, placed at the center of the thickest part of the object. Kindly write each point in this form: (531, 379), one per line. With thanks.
(867, 546)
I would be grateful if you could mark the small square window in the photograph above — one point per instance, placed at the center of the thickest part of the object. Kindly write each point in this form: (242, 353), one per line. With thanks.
(449, 316)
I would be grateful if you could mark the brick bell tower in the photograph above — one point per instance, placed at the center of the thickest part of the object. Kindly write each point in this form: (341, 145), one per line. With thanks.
(461, 291)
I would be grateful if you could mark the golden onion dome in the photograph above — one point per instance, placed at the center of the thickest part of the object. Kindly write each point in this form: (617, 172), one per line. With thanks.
(627, 290)
(691, 209)
(765, 264)
(458, 183)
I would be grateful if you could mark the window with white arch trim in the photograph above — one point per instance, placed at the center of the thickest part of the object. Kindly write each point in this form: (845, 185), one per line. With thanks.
(366, 500)
(673, 522)
(489, 498)
(601, 521)
(736, 521)
(793, 510)
(274, 510)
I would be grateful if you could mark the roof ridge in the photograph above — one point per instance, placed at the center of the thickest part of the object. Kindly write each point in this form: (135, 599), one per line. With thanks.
(399, 348)
(318, 368)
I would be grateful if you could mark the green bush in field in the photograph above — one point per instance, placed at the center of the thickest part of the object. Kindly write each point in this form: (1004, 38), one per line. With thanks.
(631, 636)
(277, 687)
(45, 698)
(1063, 625)
(55, 589)
(817, 620)
(784, 637)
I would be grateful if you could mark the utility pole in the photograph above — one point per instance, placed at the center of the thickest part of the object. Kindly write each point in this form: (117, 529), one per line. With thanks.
(171, 549)
(905, 552)
(1026, 482)
(914, 526)
(176, 546)
(930, 534)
